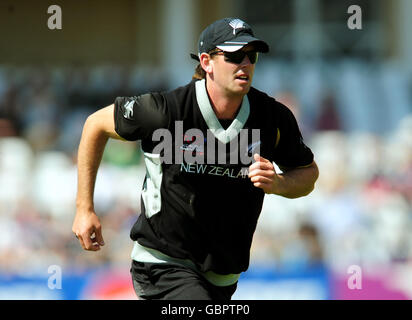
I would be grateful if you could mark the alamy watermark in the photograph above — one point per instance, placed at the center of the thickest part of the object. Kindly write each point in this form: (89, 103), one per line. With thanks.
(355, 280)
(55, 20)
(192, 146)
(355, 20)
(55, 279)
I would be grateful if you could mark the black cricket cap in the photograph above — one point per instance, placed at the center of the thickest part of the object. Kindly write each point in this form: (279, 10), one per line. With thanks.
(228, 34)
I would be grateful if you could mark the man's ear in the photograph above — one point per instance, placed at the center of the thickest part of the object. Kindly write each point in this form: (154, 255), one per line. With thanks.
(205, 62)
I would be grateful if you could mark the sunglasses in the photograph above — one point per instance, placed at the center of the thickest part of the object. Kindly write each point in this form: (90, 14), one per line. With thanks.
(237, 56)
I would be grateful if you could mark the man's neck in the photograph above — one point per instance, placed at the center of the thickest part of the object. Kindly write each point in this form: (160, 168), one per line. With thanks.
(225, 106)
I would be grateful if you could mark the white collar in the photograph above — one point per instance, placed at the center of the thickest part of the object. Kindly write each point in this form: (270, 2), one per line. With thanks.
(212, 121)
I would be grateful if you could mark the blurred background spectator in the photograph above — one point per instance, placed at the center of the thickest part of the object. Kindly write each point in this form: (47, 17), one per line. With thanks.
(350, 91)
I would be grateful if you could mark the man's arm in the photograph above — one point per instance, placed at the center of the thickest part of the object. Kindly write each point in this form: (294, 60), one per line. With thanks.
(292, 183)
(98, 128)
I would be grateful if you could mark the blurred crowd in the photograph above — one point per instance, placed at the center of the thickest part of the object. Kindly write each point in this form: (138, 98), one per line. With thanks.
(356, 118)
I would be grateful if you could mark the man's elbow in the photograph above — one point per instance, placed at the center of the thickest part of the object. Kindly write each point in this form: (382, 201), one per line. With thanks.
(301, 193)
(313, 171)
(309, 190)
(315, 176)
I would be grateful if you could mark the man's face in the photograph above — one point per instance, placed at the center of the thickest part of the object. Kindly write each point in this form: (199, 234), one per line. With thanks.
(233, 78)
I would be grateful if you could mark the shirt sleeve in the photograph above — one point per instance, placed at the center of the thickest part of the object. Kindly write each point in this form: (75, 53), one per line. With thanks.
(290, 150)
(136, 118)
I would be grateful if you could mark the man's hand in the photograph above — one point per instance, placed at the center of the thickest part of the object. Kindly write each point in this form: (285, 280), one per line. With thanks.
(263, 175)
(292, 183)
(88, 231)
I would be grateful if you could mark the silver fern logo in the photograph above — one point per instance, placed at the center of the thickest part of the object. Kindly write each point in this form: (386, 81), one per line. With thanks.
(236, 24)
(128, 109)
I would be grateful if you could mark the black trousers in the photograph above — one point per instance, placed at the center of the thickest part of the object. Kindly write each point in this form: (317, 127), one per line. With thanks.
(169, 281)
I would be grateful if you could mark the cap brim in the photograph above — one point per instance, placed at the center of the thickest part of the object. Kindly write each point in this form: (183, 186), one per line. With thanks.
(240, 42)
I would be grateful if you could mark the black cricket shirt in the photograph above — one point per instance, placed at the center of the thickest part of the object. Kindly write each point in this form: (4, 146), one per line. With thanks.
(204, 210)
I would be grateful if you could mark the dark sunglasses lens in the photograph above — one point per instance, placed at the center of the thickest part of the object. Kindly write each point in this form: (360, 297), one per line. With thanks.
(252, 56)
(238, 56)
(235, 57)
